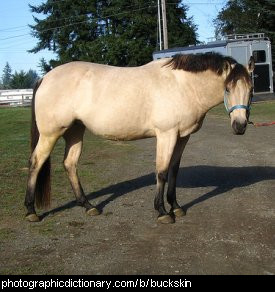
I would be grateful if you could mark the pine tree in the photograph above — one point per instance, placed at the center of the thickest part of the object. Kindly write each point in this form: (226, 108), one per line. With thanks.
(116, 32)
(44, 66)
(32, 77)
(18, 80)
(6, 77)
(22, 79)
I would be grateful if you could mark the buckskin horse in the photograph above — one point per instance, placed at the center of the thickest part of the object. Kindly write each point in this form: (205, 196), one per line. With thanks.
(167, 99)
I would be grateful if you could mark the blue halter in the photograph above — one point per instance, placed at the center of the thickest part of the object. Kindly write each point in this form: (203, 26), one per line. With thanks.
(238, 106)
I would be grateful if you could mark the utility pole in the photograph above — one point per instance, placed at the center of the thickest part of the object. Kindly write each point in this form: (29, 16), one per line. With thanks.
(164, 21)
(159, 26)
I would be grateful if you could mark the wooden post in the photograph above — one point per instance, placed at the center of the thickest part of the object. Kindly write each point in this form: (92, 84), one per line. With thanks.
(159, 26)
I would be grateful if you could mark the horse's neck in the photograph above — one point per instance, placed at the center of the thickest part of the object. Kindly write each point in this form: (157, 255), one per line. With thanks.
(214, 95)
(209, 90)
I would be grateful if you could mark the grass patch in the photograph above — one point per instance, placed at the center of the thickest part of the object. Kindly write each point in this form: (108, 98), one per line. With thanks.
(46, 228)
(15, 151)
(6, 234)
(263, 111)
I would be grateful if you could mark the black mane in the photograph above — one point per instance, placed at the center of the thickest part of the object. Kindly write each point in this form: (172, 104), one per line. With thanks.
(210, 61)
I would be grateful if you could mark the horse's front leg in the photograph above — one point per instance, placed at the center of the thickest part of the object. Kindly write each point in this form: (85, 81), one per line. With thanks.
(166, 142)
(172, 176)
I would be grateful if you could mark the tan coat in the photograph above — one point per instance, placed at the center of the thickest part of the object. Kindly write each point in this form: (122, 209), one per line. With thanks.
(132, 103)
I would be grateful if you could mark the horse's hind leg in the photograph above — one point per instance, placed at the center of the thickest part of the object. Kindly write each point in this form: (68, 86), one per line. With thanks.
(165, 146)
(172, 176)
(39, 156)
(74, 140)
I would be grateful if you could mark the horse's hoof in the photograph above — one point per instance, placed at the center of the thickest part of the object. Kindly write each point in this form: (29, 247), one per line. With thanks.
(179, 212)
(93, 212)
(32, 218)
(166, 219)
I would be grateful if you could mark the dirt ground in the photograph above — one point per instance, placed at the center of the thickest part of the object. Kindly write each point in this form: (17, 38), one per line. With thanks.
(226, 183)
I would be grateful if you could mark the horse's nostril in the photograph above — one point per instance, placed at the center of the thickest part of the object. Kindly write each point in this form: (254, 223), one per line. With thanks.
(239, 128)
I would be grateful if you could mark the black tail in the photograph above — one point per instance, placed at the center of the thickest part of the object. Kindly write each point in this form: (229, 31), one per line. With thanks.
(43, 183)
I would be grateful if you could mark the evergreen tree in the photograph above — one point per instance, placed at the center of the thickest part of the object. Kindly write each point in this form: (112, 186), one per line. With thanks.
(117, 32)
(18, 80)
(32, 77)
(44, 66)
(6, 77)
(22, 79)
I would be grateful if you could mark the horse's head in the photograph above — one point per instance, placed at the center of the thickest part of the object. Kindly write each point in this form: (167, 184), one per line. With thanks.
(238, 95)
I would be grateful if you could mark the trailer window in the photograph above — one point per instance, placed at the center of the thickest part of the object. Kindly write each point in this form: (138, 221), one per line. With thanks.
(259, 56)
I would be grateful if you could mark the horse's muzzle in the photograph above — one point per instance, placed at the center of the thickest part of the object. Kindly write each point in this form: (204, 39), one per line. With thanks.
(239, 128)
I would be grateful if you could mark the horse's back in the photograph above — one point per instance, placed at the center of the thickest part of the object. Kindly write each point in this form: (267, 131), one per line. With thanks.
(110, 101)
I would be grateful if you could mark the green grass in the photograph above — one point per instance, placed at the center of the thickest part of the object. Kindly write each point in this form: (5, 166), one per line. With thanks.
(15, 151)
(260, 111)
(6, 233)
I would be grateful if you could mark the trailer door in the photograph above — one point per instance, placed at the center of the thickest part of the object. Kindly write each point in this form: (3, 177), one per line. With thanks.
(261, 74)
(261, 78)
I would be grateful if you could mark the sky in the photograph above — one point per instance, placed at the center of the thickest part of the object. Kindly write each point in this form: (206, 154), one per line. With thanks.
(15, 38)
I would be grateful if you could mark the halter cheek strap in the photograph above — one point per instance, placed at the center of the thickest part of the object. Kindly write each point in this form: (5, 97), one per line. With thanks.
(238, 106)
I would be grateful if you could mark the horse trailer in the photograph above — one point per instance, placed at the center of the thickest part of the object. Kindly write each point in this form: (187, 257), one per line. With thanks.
(240, 47)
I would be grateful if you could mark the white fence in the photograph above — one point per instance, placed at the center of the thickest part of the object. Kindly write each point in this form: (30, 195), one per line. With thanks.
(16, 97)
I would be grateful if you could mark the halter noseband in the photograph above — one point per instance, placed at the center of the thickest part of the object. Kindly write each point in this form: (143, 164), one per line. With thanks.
(238, 106)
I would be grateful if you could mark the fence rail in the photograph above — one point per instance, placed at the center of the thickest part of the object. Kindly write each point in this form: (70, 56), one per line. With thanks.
(15, 102)
(15, 97)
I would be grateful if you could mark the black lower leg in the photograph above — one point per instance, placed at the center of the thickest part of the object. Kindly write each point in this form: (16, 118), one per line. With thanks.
(159, 205)
(81, 199)
(171, 192)
(159, 202)
(173, 172)
(30, 196)
(83, 202)
(29, 203)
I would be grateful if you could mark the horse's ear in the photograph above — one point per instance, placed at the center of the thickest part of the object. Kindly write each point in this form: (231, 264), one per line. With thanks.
(251, 64)
(228, 67)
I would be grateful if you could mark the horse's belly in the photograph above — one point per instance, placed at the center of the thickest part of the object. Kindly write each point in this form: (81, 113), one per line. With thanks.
(119, 128)
(127, 136)
(123, 134)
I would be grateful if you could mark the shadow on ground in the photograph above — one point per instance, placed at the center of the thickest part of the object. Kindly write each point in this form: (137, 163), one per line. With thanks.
(223, 178)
